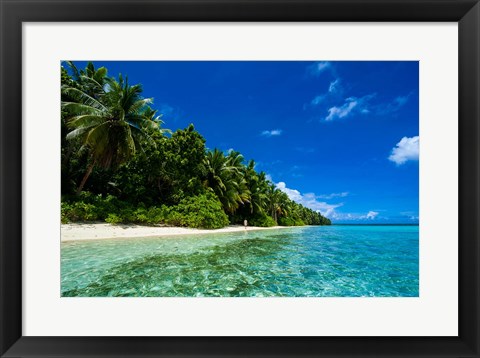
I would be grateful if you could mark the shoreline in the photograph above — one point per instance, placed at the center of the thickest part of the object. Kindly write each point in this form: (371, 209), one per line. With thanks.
(102, 231)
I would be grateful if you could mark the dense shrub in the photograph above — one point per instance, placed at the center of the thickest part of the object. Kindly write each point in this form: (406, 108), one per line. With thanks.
(262, 221)
(89, 207)
(140, 215)
(287, 221)
(65, 212)
(79, 211)
(114, 219)
(201, 211)
(157, 215)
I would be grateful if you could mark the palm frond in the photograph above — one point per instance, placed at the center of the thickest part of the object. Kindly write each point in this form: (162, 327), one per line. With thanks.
(85, 120)
(76, 74)
(139, 134)
(95, 84)
(79, 132)
(81, 97)
(139, 105)
(80, 109)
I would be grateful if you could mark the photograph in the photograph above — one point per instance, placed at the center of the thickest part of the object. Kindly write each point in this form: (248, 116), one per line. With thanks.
(239, 178)
(248, 180)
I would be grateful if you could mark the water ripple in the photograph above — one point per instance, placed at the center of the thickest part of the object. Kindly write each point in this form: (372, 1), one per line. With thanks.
(336, 261)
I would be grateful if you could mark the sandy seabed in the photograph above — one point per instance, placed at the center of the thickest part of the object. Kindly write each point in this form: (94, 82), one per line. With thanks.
(95, 231)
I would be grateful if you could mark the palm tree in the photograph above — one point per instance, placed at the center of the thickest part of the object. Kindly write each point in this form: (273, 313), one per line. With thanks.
(239, 189)
(224, 175)
(277, 202)
(110, 120)
(286, 205)
(257, 184)
(91, 81)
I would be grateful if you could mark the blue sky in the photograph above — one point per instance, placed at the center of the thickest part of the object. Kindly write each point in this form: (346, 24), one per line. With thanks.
(338, 137)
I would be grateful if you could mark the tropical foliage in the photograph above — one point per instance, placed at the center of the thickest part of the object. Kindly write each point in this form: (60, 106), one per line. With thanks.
(120, 165)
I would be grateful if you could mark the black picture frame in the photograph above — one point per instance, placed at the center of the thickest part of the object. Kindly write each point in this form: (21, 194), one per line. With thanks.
(15, 12)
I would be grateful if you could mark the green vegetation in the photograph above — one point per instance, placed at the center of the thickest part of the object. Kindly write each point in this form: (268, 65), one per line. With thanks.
(120, 166)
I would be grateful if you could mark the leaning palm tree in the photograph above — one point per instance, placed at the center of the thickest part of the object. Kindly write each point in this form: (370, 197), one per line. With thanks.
(90, 81)
(111, 124)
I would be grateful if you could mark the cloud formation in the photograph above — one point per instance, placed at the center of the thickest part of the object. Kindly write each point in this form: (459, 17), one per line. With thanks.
(354, 104)
(393, 106)
(371, 215)
(333, 195)
(342, 111)
(318, 99)
(309, 200)
(271, 133)
(318, 68)
(405, 150)
(334, 86)
(350, 106)
(334, 90)
(410, 215)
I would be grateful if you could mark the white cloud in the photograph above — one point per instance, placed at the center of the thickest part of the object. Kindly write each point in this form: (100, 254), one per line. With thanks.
(394, 106)
(309, 200)
(371, 215)
(405, 150)
(409, 215)
(317, 100)
(412, 215)
(334, 86)
(292, 193)
(400, 100)
(273, 132)
(334, 89)
(351, 104)
(333, 195)
(343, 111)
(356, 104)
(319, 67)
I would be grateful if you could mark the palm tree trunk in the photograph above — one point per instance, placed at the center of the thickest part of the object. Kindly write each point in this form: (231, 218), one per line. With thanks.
(85, 177)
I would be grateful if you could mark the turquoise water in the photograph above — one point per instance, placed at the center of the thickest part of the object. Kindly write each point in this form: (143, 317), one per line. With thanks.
(324, 261)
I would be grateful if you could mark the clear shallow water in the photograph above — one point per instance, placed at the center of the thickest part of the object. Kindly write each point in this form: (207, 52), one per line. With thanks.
(324, 261)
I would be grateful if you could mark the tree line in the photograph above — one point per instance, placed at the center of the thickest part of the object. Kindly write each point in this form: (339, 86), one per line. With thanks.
(120, 165)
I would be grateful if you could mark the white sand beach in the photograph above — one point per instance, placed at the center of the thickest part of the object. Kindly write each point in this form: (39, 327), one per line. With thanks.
(95, 231)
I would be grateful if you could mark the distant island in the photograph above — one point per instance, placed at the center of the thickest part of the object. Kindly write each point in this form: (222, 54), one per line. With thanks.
(120, 166)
